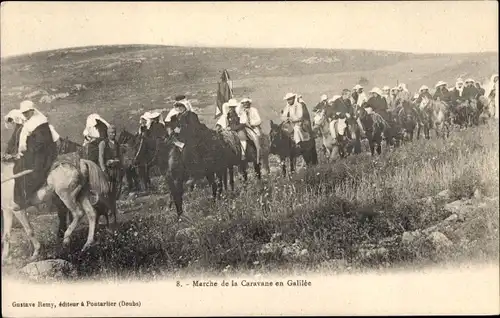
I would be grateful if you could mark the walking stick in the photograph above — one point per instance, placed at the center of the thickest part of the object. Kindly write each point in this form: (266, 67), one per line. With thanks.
(18, 175)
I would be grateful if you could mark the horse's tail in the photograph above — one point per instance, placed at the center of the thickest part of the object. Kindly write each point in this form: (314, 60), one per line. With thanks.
(95, 177)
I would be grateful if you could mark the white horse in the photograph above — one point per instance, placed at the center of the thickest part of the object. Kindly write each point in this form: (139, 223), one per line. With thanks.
(70, 184)
(334, 134)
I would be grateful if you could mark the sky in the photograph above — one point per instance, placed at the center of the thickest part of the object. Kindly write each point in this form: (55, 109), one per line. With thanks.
(414, 26)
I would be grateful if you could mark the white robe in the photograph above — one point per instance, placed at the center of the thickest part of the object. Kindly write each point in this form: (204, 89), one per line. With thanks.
(250, 116)
(362, 98)
(295, 114)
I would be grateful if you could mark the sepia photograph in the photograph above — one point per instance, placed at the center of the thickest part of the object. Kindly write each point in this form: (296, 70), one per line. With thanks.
(249, 158)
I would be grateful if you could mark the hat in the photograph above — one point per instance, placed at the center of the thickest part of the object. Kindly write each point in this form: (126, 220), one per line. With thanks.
(440, 83)
(460, 81)
(423, 87)
(376, 90)
(289, 95)
(395, 88)
(323, 98)
(357, 86)
(402, 86)
(180, 97)
(469, 80)
(246, 100)
(16, 115)
(386, 88)
(232, 103)
(26, 106)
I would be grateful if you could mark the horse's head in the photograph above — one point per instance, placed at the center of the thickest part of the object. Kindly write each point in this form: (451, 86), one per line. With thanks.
(319, 118)
(426, 101)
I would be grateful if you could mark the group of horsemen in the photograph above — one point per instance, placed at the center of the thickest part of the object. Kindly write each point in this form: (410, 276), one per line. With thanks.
(388, 102)
(34, 141)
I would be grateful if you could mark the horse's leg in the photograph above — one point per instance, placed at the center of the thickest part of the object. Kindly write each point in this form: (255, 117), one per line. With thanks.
(176, 191)
(231, 177)
(258, 173)
(23, 218)
(75, 210)
(224, 179)
(283, 166)
(243, 168)
(211, 180)
(7, 228)
(91, 215)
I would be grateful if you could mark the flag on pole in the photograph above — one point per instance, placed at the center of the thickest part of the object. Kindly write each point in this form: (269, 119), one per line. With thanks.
(224, 92)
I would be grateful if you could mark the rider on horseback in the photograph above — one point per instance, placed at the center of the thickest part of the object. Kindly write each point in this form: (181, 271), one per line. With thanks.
(293, 113)
(250, 119)
(442, 92)
(36, 151)
(322, 105)
(423, 92)
(377, 104)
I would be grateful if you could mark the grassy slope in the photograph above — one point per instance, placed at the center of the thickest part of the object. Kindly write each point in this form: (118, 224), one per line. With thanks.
(120, 84)
(325, 210)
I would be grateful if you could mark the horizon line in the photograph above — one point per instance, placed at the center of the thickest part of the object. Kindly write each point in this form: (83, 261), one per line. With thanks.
(243, 47)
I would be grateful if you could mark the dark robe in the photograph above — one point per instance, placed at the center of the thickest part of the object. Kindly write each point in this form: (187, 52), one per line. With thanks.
(13, 144)
(39, 156)
(111, 151)
(321, 105)
(379, 105)
(470, 92)
(102, 129)
(443, 94)
(234, 121)
(341, 105)
(156, 130)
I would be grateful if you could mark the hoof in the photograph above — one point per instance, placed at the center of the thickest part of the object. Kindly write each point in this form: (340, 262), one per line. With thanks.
(86, 247)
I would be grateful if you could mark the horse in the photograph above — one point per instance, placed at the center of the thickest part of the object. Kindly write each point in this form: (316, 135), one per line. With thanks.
(136, 158)
(283, 145)
(179, 167)
(338, 137)
(435, 116)
(66, 182)
(376, 128)
(407, 120)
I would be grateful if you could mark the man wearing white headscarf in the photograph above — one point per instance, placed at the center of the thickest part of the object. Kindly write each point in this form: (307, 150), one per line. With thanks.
(37, 152)
(456, 92)
(294, 113)
(403, 94)
(181, 99)
(250, 118)
(14, 120)
(362, 98)
(96, 128)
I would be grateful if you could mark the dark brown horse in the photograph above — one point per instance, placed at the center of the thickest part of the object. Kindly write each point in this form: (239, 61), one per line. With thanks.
(203, 155)
(283, 145)
(406, 120)
(376, 129)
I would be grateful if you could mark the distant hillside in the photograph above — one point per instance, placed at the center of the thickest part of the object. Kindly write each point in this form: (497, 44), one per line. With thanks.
(119, 82)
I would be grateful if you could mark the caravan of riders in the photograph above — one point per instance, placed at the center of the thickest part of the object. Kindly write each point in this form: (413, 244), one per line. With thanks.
(186, 150)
